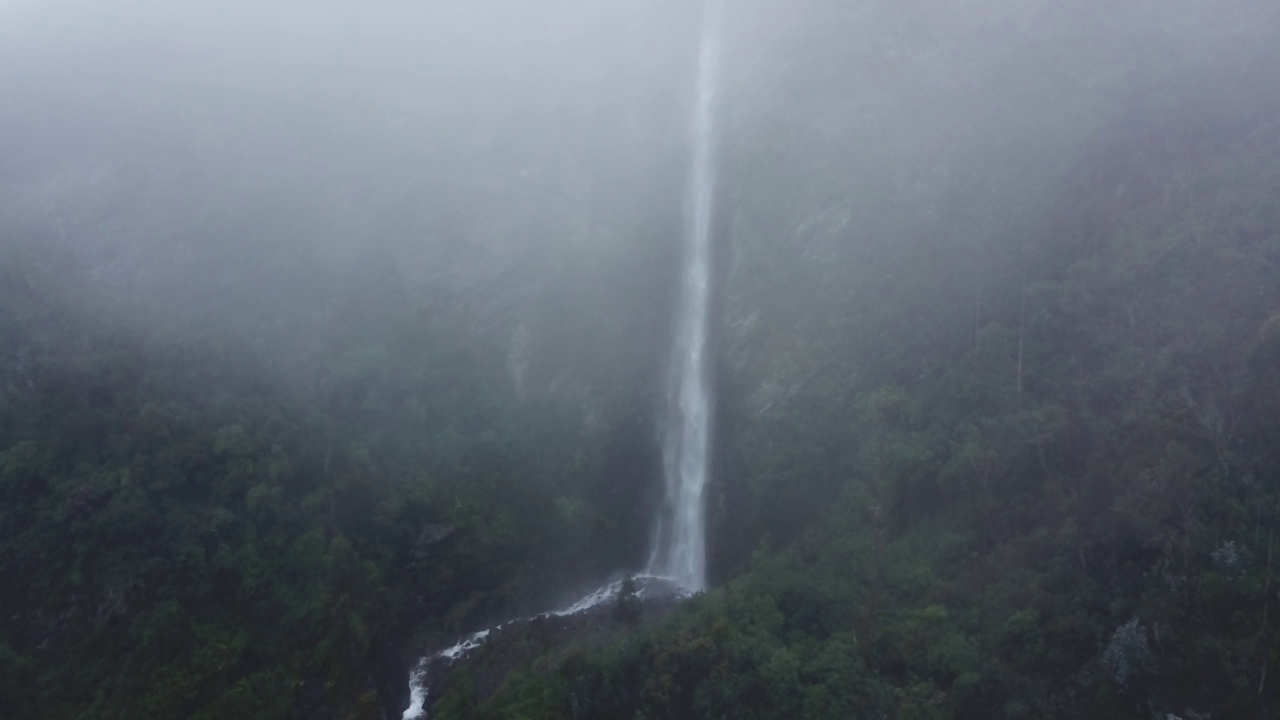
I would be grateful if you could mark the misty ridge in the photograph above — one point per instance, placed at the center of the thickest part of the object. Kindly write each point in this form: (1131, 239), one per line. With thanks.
(640, 359)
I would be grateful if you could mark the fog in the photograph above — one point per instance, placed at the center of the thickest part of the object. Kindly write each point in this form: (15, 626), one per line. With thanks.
(374, 317)
(323, 98)
(435, 66)
(140, 115)
(170, 144)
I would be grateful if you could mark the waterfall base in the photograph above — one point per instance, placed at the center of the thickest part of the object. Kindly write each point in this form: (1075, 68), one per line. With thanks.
(586, 616)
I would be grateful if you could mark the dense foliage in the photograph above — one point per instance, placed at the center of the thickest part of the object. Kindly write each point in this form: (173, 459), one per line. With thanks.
(188, 533)
(293, 389)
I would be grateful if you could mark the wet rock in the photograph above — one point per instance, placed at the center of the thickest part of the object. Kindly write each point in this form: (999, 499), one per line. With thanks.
(390, 679)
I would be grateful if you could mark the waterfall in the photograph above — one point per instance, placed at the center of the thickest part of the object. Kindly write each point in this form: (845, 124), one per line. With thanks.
(677, 557)
(679, 539)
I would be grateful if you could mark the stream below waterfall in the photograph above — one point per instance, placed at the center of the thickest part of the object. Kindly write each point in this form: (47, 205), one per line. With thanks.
(647, 587)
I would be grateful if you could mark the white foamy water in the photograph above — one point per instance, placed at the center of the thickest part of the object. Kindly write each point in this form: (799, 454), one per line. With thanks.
(679, 538)
(646, 586)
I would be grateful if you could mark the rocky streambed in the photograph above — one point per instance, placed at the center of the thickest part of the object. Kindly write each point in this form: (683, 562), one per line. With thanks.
(475, 667)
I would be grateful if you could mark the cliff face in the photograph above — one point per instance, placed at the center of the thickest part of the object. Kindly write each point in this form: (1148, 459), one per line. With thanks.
(884, 166)
(900, 175)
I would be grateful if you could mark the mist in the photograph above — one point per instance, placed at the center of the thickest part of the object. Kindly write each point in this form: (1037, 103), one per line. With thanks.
(802, 359)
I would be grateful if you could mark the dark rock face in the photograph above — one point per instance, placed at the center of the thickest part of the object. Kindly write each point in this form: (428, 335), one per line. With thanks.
(390, 679)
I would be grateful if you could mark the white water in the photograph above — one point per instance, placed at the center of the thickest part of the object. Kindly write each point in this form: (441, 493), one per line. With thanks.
(418, 680)
(679, 539)
(677, 557)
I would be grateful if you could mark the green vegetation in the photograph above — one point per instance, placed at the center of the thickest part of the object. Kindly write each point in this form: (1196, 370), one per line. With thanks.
(295, 388)
(187, 533)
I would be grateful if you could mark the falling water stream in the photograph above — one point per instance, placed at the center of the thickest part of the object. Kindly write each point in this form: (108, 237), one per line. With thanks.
(679, 539)
(677, 558)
